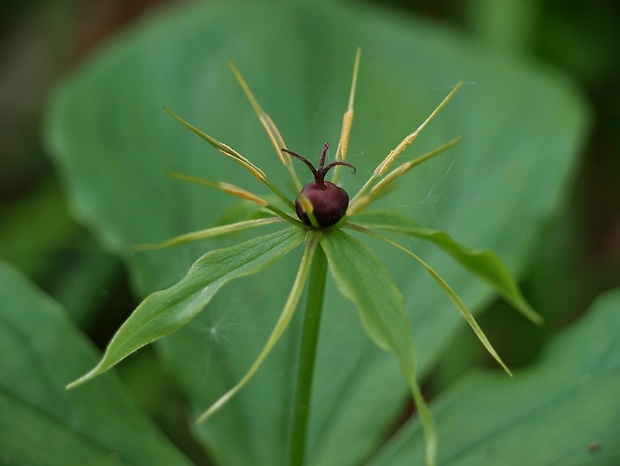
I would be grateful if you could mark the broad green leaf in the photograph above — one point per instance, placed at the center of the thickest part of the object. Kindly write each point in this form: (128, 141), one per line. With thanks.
(483, 263)
(456, 300)
(42, 423)
(362, 278)
(278, 330)
(561, 411)
(166, 311)
(522, 128)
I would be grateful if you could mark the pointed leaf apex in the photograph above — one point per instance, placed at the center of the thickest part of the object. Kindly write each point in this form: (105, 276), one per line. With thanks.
(86, 377)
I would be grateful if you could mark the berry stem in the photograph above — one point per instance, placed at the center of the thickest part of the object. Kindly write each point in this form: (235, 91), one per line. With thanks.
(307, 354)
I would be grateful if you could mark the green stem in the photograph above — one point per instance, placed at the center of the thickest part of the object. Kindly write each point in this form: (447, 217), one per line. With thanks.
(307, 354)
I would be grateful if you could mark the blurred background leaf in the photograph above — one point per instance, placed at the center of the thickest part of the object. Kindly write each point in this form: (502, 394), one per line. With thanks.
(562, 405)
(114, 144)
(559, 230)
(41, 422)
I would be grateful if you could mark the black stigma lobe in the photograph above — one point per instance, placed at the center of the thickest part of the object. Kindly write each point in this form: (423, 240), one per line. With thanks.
(329, 202)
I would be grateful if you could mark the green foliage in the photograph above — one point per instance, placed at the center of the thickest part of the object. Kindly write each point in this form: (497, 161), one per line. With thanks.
(113, 144)
(560, 411)
(484, 264)
(169, 310)
(40, 421)
(362, 278)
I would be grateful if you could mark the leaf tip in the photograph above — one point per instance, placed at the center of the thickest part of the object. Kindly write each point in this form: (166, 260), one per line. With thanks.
(233, 68)
(528, 311)
(173, 115)
(205, 416)
(85, 378)
(538, 320)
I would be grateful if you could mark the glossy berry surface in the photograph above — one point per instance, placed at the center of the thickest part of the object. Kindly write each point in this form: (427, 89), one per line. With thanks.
(329, 202)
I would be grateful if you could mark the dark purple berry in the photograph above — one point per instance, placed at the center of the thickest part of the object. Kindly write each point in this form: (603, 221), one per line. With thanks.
(329, 202)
